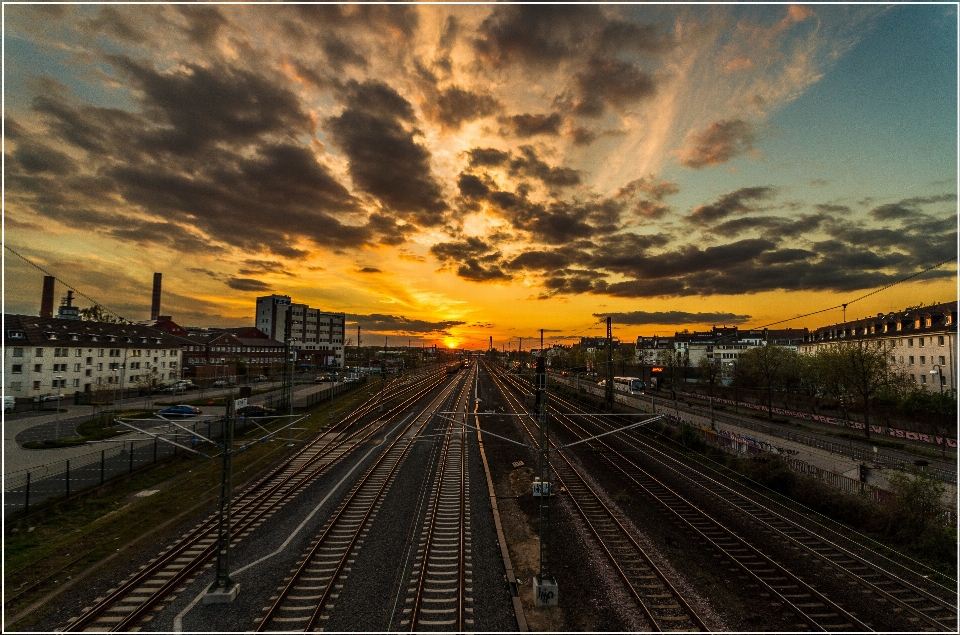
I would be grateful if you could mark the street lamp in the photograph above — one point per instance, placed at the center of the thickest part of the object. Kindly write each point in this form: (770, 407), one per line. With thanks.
(938, 372)
(56, 433)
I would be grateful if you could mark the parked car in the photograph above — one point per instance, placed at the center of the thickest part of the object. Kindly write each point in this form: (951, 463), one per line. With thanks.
(260, 378)
(219, 383)
(254, 410)
(51, 397)
(9, 403)
(326, 377)
(180, 411)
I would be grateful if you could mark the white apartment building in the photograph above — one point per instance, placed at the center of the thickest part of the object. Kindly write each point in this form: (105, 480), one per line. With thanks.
(921, 341)
(43, 356)
(312, 331)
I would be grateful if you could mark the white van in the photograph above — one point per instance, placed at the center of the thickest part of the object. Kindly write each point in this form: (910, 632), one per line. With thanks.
(9, 403)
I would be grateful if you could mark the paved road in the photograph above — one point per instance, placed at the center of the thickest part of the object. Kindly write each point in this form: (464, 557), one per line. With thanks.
(37, 425)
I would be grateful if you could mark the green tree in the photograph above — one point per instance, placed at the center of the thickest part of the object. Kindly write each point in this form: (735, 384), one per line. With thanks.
(919, 507)
(97, 313)
(768, 367)
(859, 372)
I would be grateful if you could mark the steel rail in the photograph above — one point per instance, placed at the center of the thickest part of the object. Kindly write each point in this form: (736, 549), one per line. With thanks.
(340, 514)
(741, 504)
(441, 486)
(252, 505)
(779, 572)
(650, 609)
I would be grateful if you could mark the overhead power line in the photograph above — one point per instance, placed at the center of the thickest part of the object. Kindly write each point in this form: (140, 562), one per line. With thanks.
(846, 304)
(66, 284)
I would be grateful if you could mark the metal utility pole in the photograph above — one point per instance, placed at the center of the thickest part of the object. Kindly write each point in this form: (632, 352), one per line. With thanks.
(608, 389)
(285, 387)
(224, 590)
(544, 585)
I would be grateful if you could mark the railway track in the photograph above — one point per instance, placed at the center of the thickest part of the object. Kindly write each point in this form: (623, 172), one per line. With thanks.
(927, 609)
(147, 590)
(439, 596)
(309, 596)
(656, 597)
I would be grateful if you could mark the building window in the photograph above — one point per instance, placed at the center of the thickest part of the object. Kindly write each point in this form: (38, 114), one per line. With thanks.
(38, 368)
(910, 341)
(38, 352)
(921, 341)
(100, 366)
(923, 359)
(15, 385)
(913, 378)
(100, 353)
(923, 379)
(76, 368)
(911, 360)
(940, 340)
(943, 360)
(17, 368)
(76, 383)
(89, 372)
(36, 385)
(18, 352)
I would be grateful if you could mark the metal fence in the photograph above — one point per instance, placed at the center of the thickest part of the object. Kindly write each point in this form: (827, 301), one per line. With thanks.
(63, 479)
(849, 449)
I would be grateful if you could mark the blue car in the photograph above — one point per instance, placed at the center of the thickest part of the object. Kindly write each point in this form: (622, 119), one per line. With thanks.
(179, 411)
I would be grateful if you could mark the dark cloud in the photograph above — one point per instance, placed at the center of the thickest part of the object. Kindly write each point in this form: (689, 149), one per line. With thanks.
(530, 125)
(38, 158)
(487, 157)
(247, 284)
(342, 53)
(544, 36)
(382, 323)
(719, 143)
(773, 227)
(385, 160)
(908, 208)
(369, 270)
(196, 107)
(474, 259)
(637, 318)
(456, 106)
(657, 190)
(540, 34)
(527, 163)
(733, 203)
(256, 267)
(203, 22)
(610, 82)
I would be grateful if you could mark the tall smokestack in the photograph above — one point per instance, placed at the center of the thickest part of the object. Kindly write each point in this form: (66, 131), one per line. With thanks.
(46, 301)
(155, 308)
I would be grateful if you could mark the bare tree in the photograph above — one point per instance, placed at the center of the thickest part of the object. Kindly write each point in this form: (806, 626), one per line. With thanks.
(770, 367)
(710, 372)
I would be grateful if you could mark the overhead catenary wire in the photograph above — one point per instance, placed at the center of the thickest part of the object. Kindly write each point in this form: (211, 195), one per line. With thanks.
(875, 291)
(66, 284)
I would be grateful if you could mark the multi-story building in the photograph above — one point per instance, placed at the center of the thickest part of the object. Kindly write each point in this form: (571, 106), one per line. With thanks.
(316, 334)
(921, 341)
(49, 355)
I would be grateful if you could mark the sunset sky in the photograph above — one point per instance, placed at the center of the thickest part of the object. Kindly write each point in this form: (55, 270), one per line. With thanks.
(447, 173)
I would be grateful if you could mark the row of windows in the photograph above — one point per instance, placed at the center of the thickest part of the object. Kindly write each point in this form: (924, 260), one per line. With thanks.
(62, 368)
(78, 352)
(923, 359)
